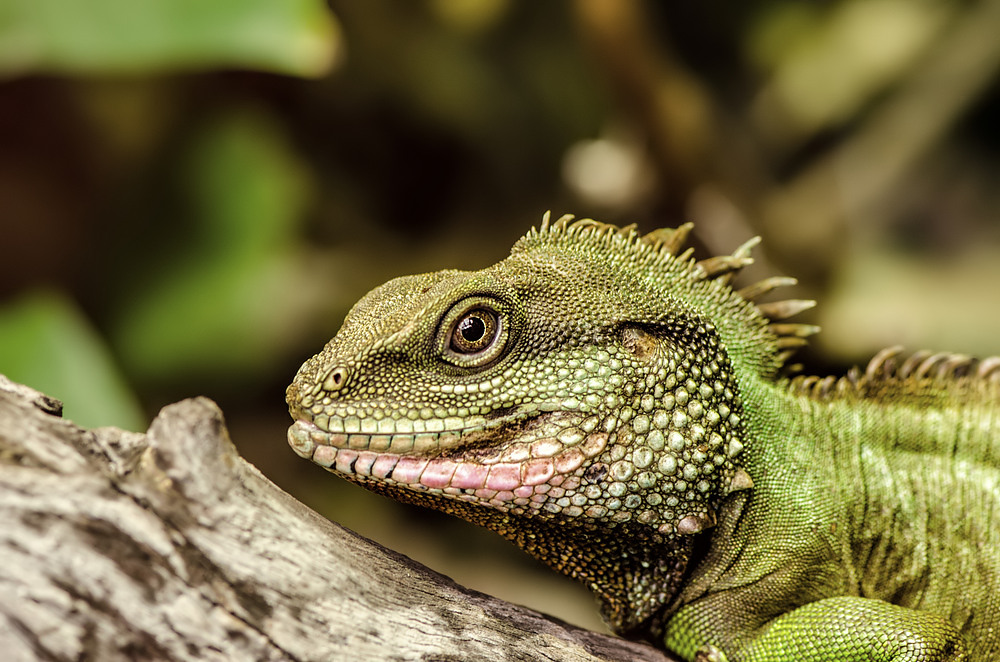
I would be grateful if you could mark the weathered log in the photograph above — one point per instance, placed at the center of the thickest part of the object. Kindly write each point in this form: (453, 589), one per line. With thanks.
(169, 546)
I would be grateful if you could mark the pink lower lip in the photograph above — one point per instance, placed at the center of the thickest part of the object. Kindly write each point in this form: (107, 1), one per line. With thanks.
(438, 473)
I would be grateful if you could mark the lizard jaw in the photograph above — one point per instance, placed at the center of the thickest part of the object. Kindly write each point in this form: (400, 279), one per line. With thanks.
(518, 476)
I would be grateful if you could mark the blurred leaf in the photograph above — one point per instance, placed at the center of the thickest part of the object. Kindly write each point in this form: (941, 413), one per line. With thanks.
(298, 37)
(882, 297)
(827, 65)
(470, 16)
(46, 343)
(221, 305)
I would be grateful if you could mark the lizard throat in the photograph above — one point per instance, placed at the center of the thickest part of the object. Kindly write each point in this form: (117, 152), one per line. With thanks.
(518, 475)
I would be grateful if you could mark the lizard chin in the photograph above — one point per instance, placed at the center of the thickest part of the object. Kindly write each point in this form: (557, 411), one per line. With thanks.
(514, 476)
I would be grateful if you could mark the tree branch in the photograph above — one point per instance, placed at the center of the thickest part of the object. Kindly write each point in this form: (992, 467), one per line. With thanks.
(169, 546)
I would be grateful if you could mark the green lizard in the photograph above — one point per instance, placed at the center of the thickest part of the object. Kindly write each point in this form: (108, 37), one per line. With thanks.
(619, 411)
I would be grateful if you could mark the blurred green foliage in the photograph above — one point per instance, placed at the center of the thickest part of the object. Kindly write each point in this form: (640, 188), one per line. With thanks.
(827, 62)
(129, 36)
(221, 296)
(45, 341)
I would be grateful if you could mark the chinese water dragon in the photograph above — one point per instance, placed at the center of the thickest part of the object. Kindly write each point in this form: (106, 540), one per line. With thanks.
(621, 412)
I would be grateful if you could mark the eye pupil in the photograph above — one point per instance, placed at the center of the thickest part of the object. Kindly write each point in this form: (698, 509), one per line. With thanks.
(472, 329)
(475, 331)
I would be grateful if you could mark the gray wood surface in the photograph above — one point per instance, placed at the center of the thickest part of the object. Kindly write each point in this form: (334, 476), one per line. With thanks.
(169, 546)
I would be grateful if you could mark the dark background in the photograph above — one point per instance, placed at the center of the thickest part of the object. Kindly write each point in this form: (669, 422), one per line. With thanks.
(193, 194)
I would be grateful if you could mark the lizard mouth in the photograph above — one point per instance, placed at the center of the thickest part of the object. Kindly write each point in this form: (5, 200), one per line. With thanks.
(504, 471)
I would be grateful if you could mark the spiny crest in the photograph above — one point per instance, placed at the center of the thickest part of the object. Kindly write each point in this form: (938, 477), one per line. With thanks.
(889, 366)
(665, 245)
(662, 243)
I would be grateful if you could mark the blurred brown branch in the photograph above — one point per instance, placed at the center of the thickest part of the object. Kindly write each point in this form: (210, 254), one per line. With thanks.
(656, 90)
(712, 164)
(807, 215)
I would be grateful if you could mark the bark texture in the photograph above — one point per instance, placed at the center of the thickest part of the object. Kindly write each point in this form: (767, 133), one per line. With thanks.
(169, 546)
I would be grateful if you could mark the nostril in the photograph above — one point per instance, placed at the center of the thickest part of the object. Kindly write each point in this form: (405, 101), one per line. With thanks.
(336, 379)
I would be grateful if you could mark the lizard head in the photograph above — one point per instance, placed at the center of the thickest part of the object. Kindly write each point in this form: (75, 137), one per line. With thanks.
(581, 397)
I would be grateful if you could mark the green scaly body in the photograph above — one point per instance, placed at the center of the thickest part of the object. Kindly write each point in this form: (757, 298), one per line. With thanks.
(617, 410)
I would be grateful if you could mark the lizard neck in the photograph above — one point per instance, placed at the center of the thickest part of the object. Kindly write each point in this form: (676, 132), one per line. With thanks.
(851, 472)
(632, 571)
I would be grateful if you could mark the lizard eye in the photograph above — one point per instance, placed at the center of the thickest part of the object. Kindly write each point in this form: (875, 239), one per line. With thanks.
(474, 331)
(476, 334)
